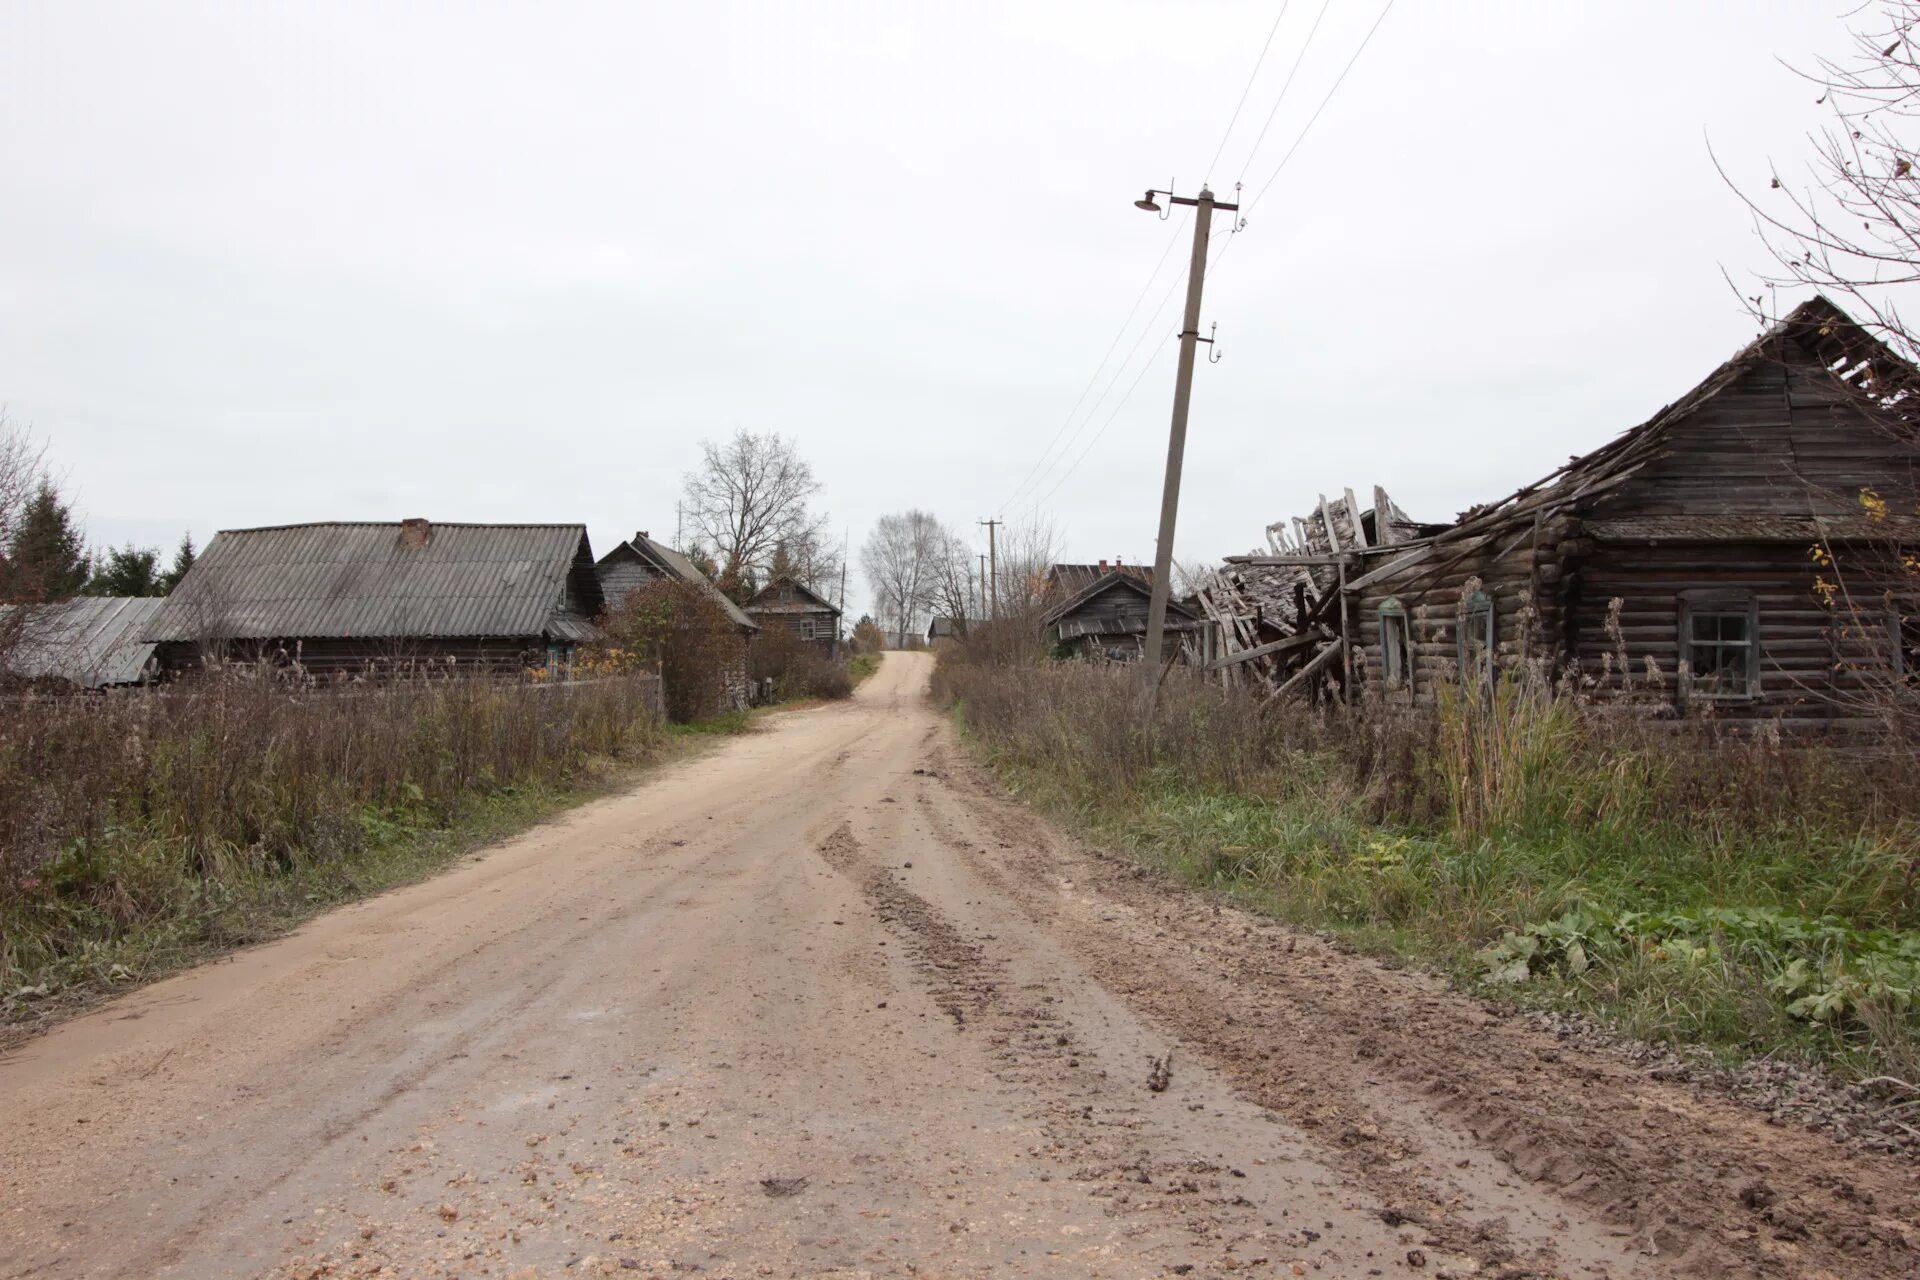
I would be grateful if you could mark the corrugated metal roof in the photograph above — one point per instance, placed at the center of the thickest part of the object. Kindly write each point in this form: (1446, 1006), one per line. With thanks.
(366, 581)
(92, 641)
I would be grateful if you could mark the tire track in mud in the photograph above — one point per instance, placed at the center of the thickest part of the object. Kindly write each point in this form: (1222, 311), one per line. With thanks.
(1368, 1058)
(1036, 1051)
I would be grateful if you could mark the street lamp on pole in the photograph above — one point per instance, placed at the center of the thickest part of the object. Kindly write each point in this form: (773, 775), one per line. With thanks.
(1204, 205)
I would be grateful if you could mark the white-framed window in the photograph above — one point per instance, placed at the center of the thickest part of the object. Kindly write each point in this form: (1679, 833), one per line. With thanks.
(1396, 646)
(1719, 644)
(1478, 638)
(806, 628)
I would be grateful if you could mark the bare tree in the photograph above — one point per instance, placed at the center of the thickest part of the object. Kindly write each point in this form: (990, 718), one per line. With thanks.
(956, 586)
(1027, 549)
(749, 496)
(902, 559)
(1850, 226)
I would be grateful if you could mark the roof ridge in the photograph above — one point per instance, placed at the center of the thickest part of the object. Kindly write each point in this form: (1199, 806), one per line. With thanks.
(396, 524)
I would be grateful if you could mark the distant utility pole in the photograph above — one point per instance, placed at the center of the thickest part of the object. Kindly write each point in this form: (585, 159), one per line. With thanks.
(993, 571)
(679, 526)
(1190, 339)
(980, 602)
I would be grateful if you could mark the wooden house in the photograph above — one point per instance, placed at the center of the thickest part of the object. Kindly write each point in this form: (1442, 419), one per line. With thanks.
(942, 629)
(1739, 551)
(640, 560)
(353, 597)
(788, 606)
(1106, 618)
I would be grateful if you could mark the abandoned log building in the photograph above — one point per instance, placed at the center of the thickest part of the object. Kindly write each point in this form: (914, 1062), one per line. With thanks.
(1106, 615)
(350, 597)
(789, 606)
(1740, 551)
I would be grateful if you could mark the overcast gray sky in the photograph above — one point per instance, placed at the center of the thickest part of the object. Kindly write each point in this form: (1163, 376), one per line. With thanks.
(264, 263)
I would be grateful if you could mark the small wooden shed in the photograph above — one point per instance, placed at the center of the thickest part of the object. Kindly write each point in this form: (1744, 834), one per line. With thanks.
(789, 606)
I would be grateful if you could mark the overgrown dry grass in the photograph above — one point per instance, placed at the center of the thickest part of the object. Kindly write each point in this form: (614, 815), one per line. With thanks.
(138, 831)
(1690, 885)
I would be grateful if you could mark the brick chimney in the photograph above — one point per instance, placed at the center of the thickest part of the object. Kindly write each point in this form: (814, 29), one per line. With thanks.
(640, 536)
(1103, 566)
(416, 532)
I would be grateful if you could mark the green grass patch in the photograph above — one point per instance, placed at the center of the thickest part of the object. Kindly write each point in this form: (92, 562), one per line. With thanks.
(1576, 884)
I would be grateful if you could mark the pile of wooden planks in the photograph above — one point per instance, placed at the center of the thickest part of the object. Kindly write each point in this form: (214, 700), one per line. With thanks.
(1280, 614)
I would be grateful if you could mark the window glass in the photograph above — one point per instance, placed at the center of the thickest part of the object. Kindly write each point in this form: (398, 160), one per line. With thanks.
(1396, 665)
(1477, 637)
(1720, 647)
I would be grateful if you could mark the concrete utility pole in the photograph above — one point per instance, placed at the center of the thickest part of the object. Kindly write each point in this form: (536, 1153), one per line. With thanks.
(980, 602)
(993, 571)
(1190, 338)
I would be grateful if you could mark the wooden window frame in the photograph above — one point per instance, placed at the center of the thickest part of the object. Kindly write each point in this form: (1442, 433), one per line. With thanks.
(1724, 602)
(806, 629)
(1396, 645)
(1478, 605)
(1903, 618)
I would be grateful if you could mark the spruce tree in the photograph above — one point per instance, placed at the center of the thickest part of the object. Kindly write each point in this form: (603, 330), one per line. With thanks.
(183, 558)
(47, 559)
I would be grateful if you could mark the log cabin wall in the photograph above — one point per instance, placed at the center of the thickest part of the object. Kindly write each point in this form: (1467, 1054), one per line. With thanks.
(1704, 525)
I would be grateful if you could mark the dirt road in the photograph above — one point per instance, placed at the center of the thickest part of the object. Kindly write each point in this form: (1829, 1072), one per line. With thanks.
(822, 1003)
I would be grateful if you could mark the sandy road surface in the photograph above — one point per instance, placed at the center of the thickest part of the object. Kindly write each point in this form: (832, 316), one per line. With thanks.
(822, 1003)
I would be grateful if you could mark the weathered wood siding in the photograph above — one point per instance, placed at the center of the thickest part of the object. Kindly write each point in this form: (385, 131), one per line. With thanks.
(1433, 605)
(504, 656)
(621, 575)
(1782, 439)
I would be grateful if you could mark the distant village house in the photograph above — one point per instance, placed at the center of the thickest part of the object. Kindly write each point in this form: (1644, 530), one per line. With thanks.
(785, 605)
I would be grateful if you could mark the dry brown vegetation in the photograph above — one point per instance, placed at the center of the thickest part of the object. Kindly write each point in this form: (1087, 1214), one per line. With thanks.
(1692, 883)
(681, 631)
(797, 668)
(139, 829)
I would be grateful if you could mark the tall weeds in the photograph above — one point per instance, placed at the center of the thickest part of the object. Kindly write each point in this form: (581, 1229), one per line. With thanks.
(1505, 816)
(123, 813)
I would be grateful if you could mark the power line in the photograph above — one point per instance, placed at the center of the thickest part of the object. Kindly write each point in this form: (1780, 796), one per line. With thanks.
(1365, 41)
(1098, 369)
(1119, 372)
(1221, 253)
(1095, 438)
(1251, 77)
(1286, 85)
